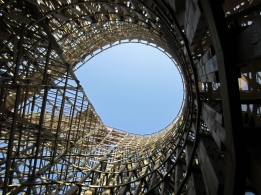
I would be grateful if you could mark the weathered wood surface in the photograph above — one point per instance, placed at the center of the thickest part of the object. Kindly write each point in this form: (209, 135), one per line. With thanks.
(208, 67)
(212, 164)
(214, 121)
(196, 184)
(248, 44)
(194, 22)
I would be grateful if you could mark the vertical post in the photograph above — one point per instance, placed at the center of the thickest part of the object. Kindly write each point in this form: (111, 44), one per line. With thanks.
(72, 116)
(11, 142)
(17, 57)
(41, 120)
(19, 53)
(235, 163)
(165, 185)
(189, 148)
(61, 112)
(178, 171)
(210, 90)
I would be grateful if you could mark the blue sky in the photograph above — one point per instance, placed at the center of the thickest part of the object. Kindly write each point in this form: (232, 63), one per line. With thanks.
(133, 87)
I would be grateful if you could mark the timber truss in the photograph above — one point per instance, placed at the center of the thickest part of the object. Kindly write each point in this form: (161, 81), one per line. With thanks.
(52, 141)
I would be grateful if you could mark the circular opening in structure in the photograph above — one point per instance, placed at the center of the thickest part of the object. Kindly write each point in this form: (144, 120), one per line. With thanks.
(133, 87)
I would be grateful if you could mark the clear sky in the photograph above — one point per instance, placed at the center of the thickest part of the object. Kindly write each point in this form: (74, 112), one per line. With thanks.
(133, 87)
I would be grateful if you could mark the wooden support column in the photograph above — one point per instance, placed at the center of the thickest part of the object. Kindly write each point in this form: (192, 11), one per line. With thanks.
(42, 118)
(153, 181)
(75, 188)
(17, 59)
(195, 181)
(141, 182)
(165, 185)
(7, 180)
(228, 76)
(194, 23)
(178, 171)
(214, 121)
(138, 188)
(189, 147)
(196, 185)
(124, 189)
(208, 67)
(61, 112)
(212, 164)
(254, 166)
(210, 90)
(194, 125)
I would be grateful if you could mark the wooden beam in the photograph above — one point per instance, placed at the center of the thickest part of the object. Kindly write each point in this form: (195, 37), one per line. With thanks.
(196, 185)
(189, 148)
(248, 44)
(228, 76)
(208, 67)
(194, 22)
(165, 186)
(212, 165)
(178, 171)
(254, 166)
(214, 121)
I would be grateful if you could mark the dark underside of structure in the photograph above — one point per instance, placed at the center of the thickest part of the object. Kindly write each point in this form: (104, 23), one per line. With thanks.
(53, 142)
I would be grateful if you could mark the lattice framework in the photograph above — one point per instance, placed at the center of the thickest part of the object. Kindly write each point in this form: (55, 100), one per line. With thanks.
(52, 141)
